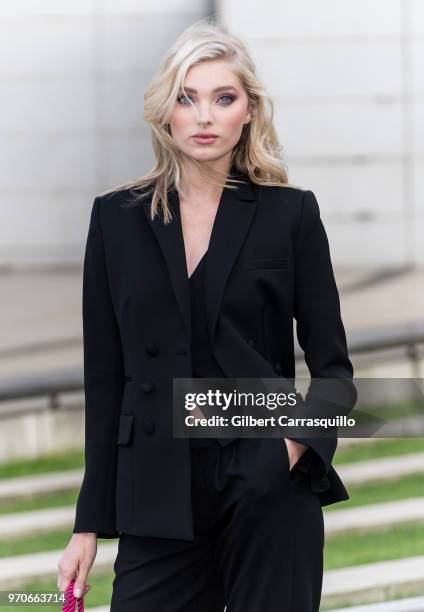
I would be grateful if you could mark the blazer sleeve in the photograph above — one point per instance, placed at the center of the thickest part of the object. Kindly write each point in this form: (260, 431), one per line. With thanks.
(320, 330)
(103, 389)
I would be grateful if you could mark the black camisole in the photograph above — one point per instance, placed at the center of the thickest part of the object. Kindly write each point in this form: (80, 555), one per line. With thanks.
(203, 361)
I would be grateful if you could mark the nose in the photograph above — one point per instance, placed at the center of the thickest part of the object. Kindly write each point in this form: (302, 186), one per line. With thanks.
(203, 113)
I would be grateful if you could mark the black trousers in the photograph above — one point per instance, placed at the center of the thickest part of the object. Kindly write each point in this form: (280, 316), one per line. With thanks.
(258, 547)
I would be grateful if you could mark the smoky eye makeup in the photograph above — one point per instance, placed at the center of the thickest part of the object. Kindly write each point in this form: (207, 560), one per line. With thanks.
(230, 96)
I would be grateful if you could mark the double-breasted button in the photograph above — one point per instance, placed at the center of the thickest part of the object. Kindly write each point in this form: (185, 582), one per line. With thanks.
(278, 368)
(148, 426)
(151, 349)
(251, 342)
(147, 386)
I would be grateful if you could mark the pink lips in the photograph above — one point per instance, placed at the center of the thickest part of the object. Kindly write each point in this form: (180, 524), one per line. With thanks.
(204, 139)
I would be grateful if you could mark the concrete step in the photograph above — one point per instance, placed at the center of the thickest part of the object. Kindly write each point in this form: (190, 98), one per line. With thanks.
(351, 442)
(374, 516)
(410, 604)
(52, 482)
(373, 581)
(386, 468)
(18, 524)
(16, 570)
(359, 472)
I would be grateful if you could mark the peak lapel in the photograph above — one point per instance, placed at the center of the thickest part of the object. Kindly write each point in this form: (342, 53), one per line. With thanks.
(233, 219)
(234, 215)
(171, 242)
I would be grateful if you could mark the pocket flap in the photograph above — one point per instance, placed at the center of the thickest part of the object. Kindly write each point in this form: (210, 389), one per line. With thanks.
(126, 422)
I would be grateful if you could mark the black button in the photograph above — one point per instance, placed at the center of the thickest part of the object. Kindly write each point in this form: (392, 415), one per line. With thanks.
(251, 342)
(147, 386)
(151, 349)
(148, 426)
(181, 351)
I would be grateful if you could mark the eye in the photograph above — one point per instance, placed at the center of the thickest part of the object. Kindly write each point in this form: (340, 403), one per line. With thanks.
(182, 97)
(230, 98)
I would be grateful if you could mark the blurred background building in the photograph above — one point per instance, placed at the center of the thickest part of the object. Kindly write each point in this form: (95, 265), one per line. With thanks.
(346, 78)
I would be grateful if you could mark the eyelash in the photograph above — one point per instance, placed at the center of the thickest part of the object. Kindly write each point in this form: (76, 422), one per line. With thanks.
(182, 96)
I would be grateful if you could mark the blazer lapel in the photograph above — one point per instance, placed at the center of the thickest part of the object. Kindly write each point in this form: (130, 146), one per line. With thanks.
(171, 241)
(232, 221)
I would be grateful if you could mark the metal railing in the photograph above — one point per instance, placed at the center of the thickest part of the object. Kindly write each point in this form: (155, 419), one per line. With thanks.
(409, 337)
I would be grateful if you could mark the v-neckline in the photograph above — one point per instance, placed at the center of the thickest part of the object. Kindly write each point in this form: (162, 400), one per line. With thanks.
(213, 230)
(198, 265)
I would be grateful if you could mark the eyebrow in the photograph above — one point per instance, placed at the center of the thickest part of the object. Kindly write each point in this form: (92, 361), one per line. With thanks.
(222, 88)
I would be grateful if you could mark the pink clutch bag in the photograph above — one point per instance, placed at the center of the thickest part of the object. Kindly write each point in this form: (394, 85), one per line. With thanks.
(71, 603)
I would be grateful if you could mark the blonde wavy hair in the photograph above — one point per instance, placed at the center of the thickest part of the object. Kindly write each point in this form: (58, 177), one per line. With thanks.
(258, 154)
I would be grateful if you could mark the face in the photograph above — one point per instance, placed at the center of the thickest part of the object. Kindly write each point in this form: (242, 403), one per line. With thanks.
(220, 107)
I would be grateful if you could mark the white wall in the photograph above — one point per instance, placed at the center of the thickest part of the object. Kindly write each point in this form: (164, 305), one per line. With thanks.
(73, 74)
(347, 78)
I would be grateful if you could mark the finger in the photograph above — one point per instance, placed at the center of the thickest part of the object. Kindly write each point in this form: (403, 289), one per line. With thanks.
(80, 582)
(64, 580)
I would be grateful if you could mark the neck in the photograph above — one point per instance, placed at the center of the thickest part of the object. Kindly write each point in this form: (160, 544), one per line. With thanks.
(194, 185)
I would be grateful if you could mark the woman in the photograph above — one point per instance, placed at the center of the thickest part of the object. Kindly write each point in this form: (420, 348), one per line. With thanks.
(201, 276)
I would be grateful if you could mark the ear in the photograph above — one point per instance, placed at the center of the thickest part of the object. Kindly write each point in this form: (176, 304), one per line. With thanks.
(248, 118)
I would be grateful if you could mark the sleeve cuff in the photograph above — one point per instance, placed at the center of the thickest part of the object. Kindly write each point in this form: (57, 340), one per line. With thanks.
(310, 463)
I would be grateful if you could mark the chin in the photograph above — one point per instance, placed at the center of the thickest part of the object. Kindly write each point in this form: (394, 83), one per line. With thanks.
(206, 158)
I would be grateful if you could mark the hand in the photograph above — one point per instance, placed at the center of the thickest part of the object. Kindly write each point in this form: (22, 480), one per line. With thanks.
(197, 413)
(295, 451)
(77, 560)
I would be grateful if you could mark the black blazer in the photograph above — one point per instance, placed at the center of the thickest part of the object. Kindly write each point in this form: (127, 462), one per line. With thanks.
(268, 261)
